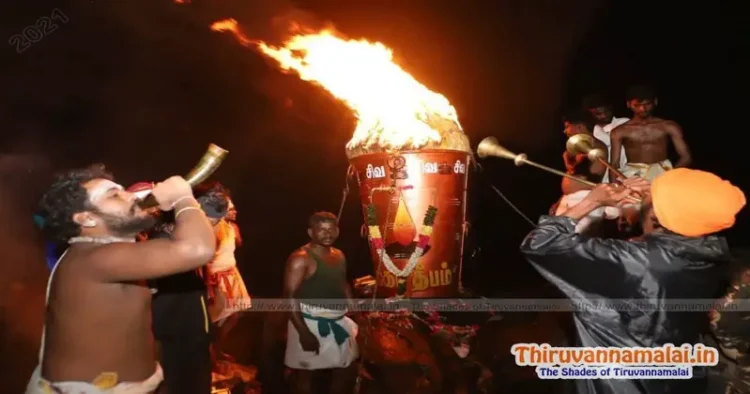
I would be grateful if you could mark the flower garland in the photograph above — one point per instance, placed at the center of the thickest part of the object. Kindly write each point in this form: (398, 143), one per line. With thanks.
(376, 240)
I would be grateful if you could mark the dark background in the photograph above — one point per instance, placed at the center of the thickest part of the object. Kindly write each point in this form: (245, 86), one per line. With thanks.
(144, 85)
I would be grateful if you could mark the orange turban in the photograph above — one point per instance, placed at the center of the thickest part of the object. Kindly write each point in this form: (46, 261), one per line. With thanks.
(695, 203)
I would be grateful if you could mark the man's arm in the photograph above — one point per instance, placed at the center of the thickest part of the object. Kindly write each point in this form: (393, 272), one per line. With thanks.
(570, 162)
(680, 145)
(572, 260)
(192, 245)
(597, 168)
(294, 274)
(616, 149)
(237, 234)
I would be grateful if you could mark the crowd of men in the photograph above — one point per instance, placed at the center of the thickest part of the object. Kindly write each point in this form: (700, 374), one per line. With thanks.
(664, 246)
(116, 257)
(123, 275)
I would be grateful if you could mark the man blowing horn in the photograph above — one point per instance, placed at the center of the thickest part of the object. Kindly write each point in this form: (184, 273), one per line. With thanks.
(97, 336)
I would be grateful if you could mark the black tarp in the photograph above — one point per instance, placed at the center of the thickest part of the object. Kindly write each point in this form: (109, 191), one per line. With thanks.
(641, 276)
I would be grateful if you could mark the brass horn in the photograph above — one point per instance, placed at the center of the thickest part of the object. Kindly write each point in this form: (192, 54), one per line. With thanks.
(210, 161)
(491, 147)
(584, 144)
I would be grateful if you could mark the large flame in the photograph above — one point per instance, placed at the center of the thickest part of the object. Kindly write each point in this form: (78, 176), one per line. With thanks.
(393, 109)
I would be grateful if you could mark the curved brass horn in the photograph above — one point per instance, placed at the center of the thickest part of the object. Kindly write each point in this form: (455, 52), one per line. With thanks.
(584, 144)
(210, 161)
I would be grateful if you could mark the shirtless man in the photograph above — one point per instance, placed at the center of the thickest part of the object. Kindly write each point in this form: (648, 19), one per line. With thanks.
(580, 166)
(645, 138)
(318, 271)
(97, 336)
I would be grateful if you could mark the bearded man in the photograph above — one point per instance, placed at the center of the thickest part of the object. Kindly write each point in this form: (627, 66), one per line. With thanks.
(97, 336)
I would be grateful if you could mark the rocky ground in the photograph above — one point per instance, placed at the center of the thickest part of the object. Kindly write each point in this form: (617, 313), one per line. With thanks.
(413, 353)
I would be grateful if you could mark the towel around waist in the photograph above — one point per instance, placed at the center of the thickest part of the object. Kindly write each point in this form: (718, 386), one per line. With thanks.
(323, 312)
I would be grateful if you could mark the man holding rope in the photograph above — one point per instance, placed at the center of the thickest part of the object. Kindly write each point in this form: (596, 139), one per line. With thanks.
(679, 257)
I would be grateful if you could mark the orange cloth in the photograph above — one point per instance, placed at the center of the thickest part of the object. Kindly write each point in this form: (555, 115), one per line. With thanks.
(695, 203)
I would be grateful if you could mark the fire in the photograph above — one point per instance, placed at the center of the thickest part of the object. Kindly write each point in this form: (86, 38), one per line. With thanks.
(394, 110)
(231, 26)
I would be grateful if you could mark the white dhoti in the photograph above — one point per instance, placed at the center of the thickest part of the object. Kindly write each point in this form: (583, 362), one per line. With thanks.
(647, 171)
(336, 333)
(104, 384)
(572, 199)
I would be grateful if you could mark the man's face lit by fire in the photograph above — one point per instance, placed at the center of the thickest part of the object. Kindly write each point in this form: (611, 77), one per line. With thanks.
(642, 108)
(602, 115)
(324, 233)
(114, 211)
(231, 212)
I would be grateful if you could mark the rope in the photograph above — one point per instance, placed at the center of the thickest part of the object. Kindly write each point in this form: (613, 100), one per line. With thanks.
(349, 172)
(515, 208)
(507, 201)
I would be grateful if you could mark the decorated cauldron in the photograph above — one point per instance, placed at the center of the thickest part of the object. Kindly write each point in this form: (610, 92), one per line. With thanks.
(414, 205)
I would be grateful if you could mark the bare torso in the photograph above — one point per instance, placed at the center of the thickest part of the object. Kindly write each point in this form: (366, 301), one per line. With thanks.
(94, 327)
(645, 141)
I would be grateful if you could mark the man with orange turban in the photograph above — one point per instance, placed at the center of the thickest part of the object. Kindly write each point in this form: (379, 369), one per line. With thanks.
(679, 257)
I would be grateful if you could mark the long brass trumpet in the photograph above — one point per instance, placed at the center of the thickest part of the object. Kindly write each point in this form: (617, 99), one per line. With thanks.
(584, 144)
(491, 147)
(210, 161)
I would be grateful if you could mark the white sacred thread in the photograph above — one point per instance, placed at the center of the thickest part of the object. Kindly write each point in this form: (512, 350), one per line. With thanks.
(104, 241)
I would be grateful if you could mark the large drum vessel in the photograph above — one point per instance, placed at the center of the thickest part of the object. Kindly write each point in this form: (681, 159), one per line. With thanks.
(401, 187)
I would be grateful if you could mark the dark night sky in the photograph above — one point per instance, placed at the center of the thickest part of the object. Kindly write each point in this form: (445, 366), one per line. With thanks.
(144, 86)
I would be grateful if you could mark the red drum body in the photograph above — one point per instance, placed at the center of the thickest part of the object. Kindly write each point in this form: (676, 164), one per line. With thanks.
(402, 186)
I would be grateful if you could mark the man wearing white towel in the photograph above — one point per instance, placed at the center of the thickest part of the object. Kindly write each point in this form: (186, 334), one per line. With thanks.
(320, 337)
